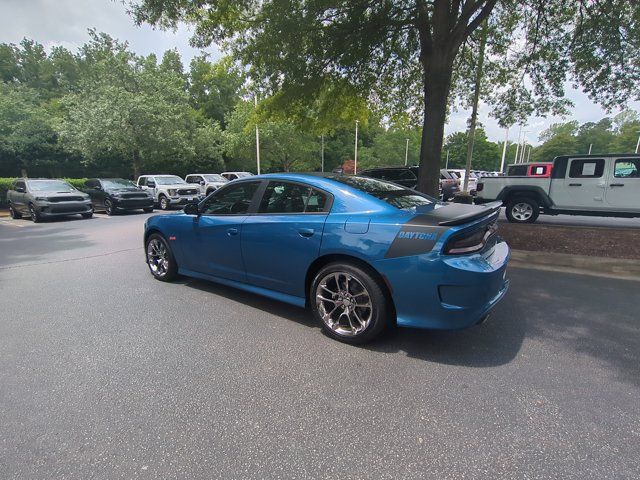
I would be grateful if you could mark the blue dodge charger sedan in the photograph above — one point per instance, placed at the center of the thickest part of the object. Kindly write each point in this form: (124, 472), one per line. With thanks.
(361, 253)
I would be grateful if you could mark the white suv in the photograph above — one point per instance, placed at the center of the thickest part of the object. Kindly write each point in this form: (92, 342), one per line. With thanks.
(207, 182)
(169, 190)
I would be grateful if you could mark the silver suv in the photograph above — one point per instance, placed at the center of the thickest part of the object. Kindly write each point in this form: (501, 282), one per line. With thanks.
(169, 190)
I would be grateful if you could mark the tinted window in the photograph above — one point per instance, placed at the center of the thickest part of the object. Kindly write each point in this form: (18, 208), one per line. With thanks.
(231, 200)
(20, 183)
(283, 197)
(91, 183)
(517, 170)
(393, 194)
(627, 168)
(142, 181)
(116, 183)
(591, 168)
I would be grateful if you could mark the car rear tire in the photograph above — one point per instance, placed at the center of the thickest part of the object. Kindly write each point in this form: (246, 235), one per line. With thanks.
(349, 302)
(522, 210)
(163, 202)
(108, 207)
(210, 191)
(14, 213)
(148, 210)
(33, 213)
(160, 259)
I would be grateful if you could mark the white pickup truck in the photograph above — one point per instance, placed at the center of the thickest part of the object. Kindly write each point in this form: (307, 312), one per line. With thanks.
(598, 185)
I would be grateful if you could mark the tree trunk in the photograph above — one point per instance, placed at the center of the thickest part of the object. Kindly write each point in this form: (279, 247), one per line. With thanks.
(437, 72)
(136, 166)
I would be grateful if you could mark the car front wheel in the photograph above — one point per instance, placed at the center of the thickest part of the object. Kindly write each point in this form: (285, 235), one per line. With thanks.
(349, 303)
(108, 207)
(14, 213)
(522, 210)
(160, 259)
(33, 213)
(164, 203)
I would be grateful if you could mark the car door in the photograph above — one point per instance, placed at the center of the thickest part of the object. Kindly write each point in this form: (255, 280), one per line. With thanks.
(583, 187)
(216, 248)
(92, 188)
(18, 196)
(281, 240)
(623, 188)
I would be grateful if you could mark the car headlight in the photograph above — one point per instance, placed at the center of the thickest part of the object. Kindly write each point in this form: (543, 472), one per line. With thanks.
(172, 192)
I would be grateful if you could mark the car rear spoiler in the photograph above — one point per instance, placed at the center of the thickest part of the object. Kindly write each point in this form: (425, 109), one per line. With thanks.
(460, 213)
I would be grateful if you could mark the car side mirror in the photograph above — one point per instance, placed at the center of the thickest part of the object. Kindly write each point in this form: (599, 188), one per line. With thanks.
(98, 187)
(191, 209)
(202, 182)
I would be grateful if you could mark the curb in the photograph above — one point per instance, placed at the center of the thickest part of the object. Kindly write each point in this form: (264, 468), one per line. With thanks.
(626, 269)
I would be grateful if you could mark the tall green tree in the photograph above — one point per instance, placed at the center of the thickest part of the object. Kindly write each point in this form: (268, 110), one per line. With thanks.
(390, 50)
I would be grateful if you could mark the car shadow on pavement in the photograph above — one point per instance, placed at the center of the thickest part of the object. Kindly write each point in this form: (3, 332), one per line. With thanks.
(281, 309)
(493, 343)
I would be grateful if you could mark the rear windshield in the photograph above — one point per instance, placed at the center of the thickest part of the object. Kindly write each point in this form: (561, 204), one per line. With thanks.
(395, 195)
(50, 186)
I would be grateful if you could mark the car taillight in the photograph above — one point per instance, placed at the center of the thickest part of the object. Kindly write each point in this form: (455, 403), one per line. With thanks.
(471, 241)
(480, 187)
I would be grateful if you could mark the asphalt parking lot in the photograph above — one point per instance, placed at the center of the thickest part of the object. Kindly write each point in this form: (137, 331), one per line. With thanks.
(107, 373)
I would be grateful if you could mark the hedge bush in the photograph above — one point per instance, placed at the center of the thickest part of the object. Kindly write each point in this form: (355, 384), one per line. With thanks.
(5, 183)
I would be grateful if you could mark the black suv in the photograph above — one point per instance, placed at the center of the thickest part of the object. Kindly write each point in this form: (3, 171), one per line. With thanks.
(113, 194)
(408, 177)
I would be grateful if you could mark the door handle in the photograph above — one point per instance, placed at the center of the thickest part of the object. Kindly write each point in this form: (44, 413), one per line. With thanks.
(575, 184)
(232, 231)
(306, 232)
(617, 185)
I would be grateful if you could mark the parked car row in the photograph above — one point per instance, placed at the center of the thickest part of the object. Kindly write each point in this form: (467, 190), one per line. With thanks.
(408, 177)
(45, 198)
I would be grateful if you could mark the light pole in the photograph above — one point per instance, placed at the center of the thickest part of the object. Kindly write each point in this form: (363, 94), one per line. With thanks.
(355, 156)
(322, 153)
(638, 144)
(524, 145)
(406, 153)
(515, 160)
(590, 145)
(504, 149)
(257, 139)
(446, 165)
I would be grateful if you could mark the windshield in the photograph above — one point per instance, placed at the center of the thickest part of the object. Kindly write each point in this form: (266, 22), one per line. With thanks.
(243, 174)
(50, 185)
(169, 180)
(395, 195)
(116, 183)
(214, 177)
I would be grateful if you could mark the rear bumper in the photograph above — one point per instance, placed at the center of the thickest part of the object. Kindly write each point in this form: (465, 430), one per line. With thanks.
(447, 292)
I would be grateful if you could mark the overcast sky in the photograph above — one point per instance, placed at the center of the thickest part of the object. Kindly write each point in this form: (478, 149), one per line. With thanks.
(65, 22)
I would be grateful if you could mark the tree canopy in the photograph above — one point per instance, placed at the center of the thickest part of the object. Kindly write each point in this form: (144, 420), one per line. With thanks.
(402, 55)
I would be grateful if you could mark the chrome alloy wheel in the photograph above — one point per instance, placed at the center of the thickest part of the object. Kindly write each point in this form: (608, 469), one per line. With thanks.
(157, 257)
(344, 304)
(522, 211)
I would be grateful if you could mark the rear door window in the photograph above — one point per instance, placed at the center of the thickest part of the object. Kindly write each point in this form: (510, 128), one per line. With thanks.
(586, 168)
(284, 197)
